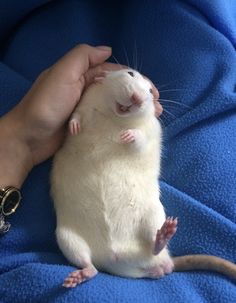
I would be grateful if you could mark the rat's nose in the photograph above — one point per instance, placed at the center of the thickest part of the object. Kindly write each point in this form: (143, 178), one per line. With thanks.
(136, 99)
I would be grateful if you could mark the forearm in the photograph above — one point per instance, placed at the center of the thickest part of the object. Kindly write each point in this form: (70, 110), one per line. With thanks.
(16, 159)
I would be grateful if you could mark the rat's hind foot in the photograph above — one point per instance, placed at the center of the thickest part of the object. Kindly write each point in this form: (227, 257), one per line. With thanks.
(160, 270)
(79, 276)
(164, 234)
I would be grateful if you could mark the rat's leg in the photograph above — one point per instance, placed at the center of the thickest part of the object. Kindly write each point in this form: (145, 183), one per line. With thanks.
(155, 228)
(161, 265)
(74, 124)
(160, 262)
(132, 136)
(164, 234)
(77, 251)
(79, 276)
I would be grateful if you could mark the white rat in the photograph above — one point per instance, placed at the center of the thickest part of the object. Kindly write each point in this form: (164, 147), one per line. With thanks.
(105, 187)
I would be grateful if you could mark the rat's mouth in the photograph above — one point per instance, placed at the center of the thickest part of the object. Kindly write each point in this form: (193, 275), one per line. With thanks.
(123, 109)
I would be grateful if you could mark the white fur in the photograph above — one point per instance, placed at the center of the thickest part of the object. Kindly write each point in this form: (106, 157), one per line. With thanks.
(106, 193)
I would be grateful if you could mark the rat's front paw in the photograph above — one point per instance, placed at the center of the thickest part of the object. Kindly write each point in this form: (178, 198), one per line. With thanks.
(128, 136)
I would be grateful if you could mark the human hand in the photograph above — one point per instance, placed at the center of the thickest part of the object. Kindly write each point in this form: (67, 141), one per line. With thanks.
(52, 98)
(35, 128)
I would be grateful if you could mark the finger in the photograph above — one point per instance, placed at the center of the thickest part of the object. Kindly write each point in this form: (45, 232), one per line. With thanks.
(157, 104)
(156, 95)
(158, 108)
(154, 89)
(77, 61)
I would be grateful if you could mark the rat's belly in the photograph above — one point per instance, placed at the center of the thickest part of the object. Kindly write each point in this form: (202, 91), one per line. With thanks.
(105, 201)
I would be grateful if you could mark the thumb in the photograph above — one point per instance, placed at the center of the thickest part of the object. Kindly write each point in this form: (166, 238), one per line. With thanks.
(77, 61)
(104, 52)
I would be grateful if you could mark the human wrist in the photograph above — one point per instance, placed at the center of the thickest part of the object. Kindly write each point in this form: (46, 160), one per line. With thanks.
(16, 159)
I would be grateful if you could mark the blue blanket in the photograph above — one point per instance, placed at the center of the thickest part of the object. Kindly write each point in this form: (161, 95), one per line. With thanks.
(188, 49)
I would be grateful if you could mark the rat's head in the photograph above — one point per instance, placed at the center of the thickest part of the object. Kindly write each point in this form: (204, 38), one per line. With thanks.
(127, 93)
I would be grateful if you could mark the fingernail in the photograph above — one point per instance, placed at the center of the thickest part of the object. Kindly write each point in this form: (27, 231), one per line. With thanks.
(104, 47)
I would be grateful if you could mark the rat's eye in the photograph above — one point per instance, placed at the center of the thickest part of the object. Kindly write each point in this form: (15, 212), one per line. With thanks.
(131, 74)
(151, 91)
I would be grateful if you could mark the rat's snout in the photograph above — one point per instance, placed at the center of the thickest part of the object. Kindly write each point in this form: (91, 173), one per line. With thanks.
(136, 99)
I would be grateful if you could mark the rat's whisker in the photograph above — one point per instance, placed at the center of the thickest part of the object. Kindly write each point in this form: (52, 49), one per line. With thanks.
(126, 56)
(135, 62)
(140, 66)
(167, 100)
(159, 118)
(167, 84)
(175, 102)
(171, 106)
(164, 116)
(160, 86)
(116, 61)
(172, 90)
(169, 113)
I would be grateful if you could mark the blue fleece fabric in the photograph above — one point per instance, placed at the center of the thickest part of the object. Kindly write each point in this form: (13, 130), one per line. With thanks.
(188, 49)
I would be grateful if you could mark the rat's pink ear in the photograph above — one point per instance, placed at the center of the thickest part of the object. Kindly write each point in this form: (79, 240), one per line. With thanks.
(99, 79)
(105, 73)
(101, 76)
